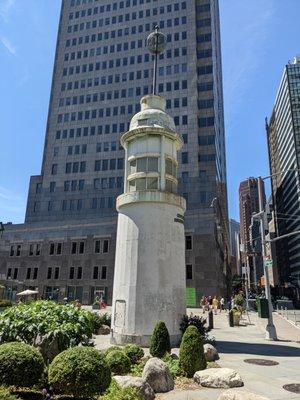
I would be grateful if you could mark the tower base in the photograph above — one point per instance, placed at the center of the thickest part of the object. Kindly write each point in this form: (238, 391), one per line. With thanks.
(141, 340)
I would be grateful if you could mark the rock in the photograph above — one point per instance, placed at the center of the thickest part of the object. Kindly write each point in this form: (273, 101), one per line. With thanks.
(158, 375)
(238, 395)
(142, 387)
(210, 352)
(104, 330)
(218, 378)
(48, 348)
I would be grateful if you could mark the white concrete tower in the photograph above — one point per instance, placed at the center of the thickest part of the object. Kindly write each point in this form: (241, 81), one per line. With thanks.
(149, 283)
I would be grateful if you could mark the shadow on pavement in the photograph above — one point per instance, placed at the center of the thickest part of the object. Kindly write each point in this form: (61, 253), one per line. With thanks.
(262, 349)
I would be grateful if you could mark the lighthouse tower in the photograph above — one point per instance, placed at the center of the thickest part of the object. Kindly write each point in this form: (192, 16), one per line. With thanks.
(149, 282)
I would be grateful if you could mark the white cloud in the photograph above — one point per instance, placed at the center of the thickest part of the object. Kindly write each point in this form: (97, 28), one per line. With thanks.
(8, 45)
(5, 8)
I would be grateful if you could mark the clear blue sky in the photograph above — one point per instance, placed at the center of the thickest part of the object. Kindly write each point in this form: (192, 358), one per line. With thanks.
(258, 39)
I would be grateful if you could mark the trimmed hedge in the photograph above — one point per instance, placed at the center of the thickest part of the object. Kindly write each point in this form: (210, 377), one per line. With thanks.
(114, 392)
(6, 395)
(160, 340)
(20, 365)
(118, 362)
(134, 352)
(79, 371)
(191, 352)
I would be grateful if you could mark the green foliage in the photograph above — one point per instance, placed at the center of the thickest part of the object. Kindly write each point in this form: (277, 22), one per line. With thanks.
(137, 369)
(118, 362)
(20, 365)
(191, 353)
(112, 348)
(160, 340)
(213, 364)
(6, 395)
(25, 322)
(173, 365)
(194, 320)
(79, 371)
(5, 303)
(26, 393)
(114, 392)
(134, 352)
(99, 320)
(239, 300)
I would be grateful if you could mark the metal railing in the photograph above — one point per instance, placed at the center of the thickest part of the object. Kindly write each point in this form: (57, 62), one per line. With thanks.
(290, 315)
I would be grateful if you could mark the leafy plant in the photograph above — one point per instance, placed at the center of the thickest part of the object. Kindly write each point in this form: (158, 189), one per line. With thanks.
(80, 371)
(137, 369)
(114, 392)
(191, 352)
(118, 362)
(173, 365)
(239, 300)
(193, 320)
(20, 365)
(6, 395)
(134, 352)
(64, 323)
(160, 340)
(5, 303)
(112, 348)
(100, 319)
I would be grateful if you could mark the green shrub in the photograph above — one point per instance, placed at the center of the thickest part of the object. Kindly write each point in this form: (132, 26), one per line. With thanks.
(100, 319)
(26, 393)
(213, 364)
(160, 340)
(112, 348)
(134, 352)
(20, 365)
(114, 392)
(239, 300)
(173, 365)
(191, 352)
(79, 371)
(118, 362)
(66, 324)
(6, 395)
(5, 303)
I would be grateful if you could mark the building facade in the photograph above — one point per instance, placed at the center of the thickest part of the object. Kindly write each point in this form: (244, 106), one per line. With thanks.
(251, 257)
(102, 68)
(284, 154)
(235, 246)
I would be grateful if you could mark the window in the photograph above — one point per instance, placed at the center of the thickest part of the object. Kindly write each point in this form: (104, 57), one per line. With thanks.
(54, 169)
(103, 272)
(28, 273)
(74, 248)
(188, 242)
(37, 249)
(79, 273)
(52, 247)
(184, 158)
(189, 271)
(56, 273)
(52, 187)
(105, 246)
(81, 247)
(95, 272)
(185, 177)
(35, 273)
(8, 274)
(71, 272)
(59, 248)
(171, 167)
(49, 273)
(31, 247)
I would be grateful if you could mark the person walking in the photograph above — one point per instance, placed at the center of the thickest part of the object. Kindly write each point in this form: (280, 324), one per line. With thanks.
(215, 304)
(222, 303)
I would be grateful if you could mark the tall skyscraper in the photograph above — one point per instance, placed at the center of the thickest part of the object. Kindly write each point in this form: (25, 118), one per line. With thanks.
(284, 154)
(102, 68)
(251, 257)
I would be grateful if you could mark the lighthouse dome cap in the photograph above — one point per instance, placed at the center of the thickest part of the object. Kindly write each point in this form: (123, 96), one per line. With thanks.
(153, 114)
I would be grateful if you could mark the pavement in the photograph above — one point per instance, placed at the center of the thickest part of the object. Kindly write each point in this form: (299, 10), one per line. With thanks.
(243, 342)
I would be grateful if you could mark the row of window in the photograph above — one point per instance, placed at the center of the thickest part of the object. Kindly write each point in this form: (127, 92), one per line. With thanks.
(54, 273)
(80, 167)
(72, 205)
(201, 157)
(116, 94)
(127, 3)
(56, 248)
(118, 19)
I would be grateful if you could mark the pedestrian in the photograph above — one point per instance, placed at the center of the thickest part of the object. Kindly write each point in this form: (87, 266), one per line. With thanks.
(77, 304)
(202, 303)
(215, 304)
(222, 303)
(210, 299)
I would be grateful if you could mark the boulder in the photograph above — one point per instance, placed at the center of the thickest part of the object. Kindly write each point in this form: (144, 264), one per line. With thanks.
(142, 387)
(158, 375)
(210, 352)
(218, 378)
(104, 330)
(238, 395)
(48, 348)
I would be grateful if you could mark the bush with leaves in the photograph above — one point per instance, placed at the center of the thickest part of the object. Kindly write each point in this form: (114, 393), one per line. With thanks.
(100, 319)
(173, 365)
(191, 352)
(20, 365)
(114, 392)
(118, 362)
(5, 303)
(239, 300)
(160, 340)
(112, 348)
(6, 395)
(79, 371)
(134, 352)
(199, 323)
(64, 323)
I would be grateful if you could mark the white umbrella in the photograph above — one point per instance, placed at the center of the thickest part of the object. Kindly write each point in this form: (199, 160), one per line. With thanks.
(27, 292)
